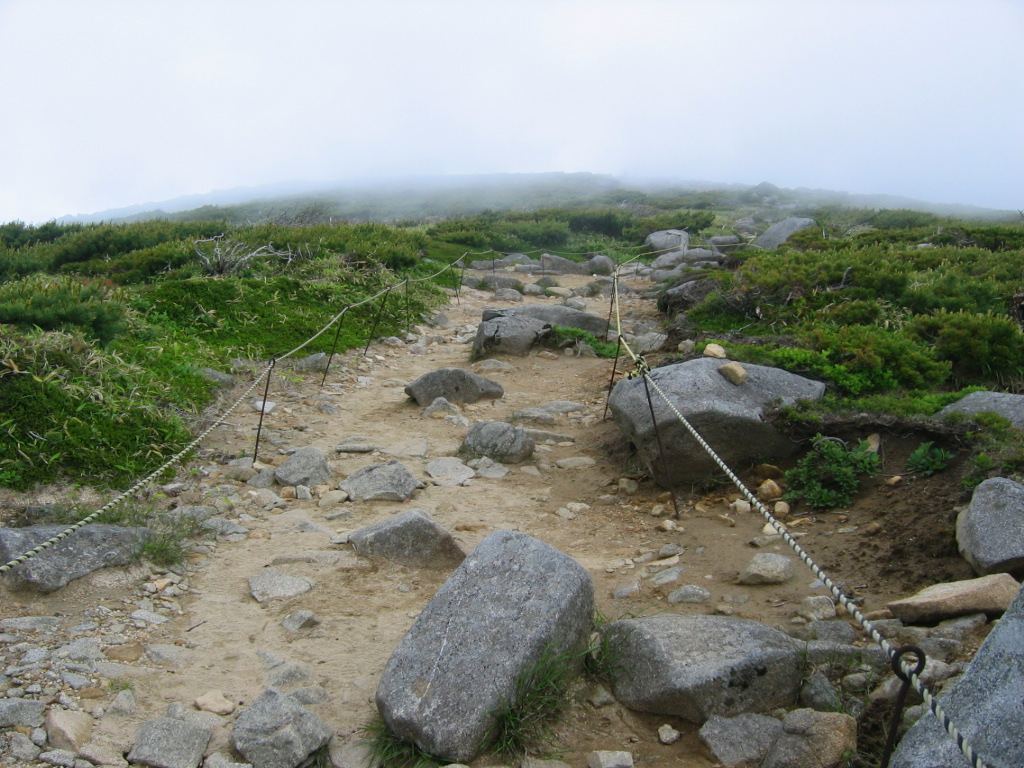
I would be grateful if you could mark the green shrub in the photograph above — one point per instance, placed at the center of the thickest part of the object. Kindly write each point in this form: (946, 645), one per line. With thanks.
(56, 303)
(978, 347)
(829, 474)
(928, 458)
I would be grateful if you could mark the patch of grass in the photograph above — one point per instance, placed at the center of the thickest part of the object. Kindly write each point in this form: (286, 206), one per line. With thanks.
(389, 751)
(524, 723)
(601, 348)
(116, 686)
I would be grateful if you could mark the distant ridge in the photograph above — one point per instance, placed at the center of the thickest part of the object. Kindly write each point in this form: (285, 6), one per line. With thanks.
(403, 198)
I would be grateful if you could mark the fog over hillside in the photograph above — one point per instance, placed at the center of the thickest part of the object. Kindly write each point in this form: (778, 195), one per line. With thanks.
(415, 197)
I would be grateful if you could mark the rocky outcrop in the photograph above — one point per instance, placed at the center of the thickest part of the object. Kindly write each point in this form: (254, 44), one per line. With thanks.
(455, 385)
(779, 233)
(86, 550)
(985, 705)
(697, 666)
(730, 417)
(513, 600)
(990, 532)
(1007, 405)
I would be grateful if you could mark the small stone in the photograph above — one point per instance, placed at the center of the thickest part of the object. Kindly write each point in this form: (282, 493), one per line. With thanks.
(781, 509)
(575, 462)
(214, 701)
(767, 568)
(733, 372)
(691, 593)
(716, 351)
(332, 498)
(668, 525)
(817, 608)
(297, 620)
(668, 735)
(768, 490)
(626, 589)
(740, 506)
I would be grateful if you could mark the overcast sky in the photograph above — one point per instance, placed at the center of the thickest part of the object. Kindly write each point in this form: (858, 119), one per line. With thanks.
(109, 103)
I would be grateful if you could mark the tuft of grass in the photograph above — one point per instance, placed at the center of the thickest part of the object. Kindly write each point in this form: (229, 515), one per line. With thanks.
(525, 722)
(928, 458)
(389, 751)
(602, 348)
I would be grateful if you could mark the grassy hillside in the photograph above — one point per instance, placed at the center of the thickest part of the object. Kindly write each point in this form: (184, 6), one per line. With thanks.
(105, 328)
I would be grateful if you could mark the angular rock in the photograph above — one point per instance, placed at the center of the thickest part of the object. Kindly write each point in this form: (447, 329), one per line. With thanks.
(498, 440)
(812, 739)
(767, 568)
(741, 741)
(698, 666)
(411, 538)
(508, 333)
(990, 532)
(511, 601)
(272, 584)
(169, 743)
(988, 594)
(779, 233)
(985, 705)
(381, 482)
(307, 466)
(86, 550)
(449, 471)
(730, 418)
(1007, 405)
(456, 385)
(21, 712)
(275, 731)
(67, 730)
(684, 297)
(225, 380)
(439, 408)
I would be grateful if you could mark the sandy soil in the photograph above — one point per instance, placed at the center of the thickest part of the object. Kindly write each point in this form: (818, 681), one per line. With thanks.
(365, 609)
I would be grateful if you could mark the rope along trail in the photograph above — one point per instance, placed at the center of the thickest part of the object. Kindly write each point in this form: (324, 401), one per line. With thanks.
(177, 458)
(642, 370)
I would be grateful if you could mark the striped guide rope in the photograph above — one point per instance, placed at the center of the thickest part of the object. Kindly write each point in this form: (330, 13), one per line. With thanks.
(936, 709)
(93, 516)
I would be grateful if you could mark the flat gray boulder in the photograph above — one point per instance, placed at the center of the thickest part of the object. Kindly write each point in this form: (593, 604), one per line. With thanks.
(381, 482)
(512, 600)
(729, 417)
(86, 550)
(985, 705)
(1006, 405)
(170, 743)
(498, 440)
(667, 240)
(990, 532)
(743, 740)
(565, 317)
(697, 666)
(411, 538)
(275, 731)
(779, 233)
(307, 466)
(506, 332)
(455, 385)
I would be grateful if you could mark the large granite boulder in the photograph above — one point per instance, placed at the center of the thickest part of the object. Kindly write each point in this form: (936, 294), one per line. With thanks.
(514, 331)
(730, 417)
(1003, 403)
(985, 705)
(86, 550)
(668, 240)
(275, 731)
(455, 385)
(505, 331)
(990, 532)
(697, 666)
(779, 233)
(498, 440)
(513, 601)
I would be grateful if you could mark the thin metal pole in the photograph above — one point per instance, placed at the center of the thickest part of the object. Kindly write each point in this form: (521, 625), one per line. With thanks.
(611, 381)
(263, 406)
(334, 346)
(376, 320)
(661, 449)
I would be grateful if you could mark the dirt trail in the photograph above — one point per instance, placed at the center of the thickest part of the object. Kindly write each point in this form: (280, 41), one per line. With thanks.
(365, 609)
